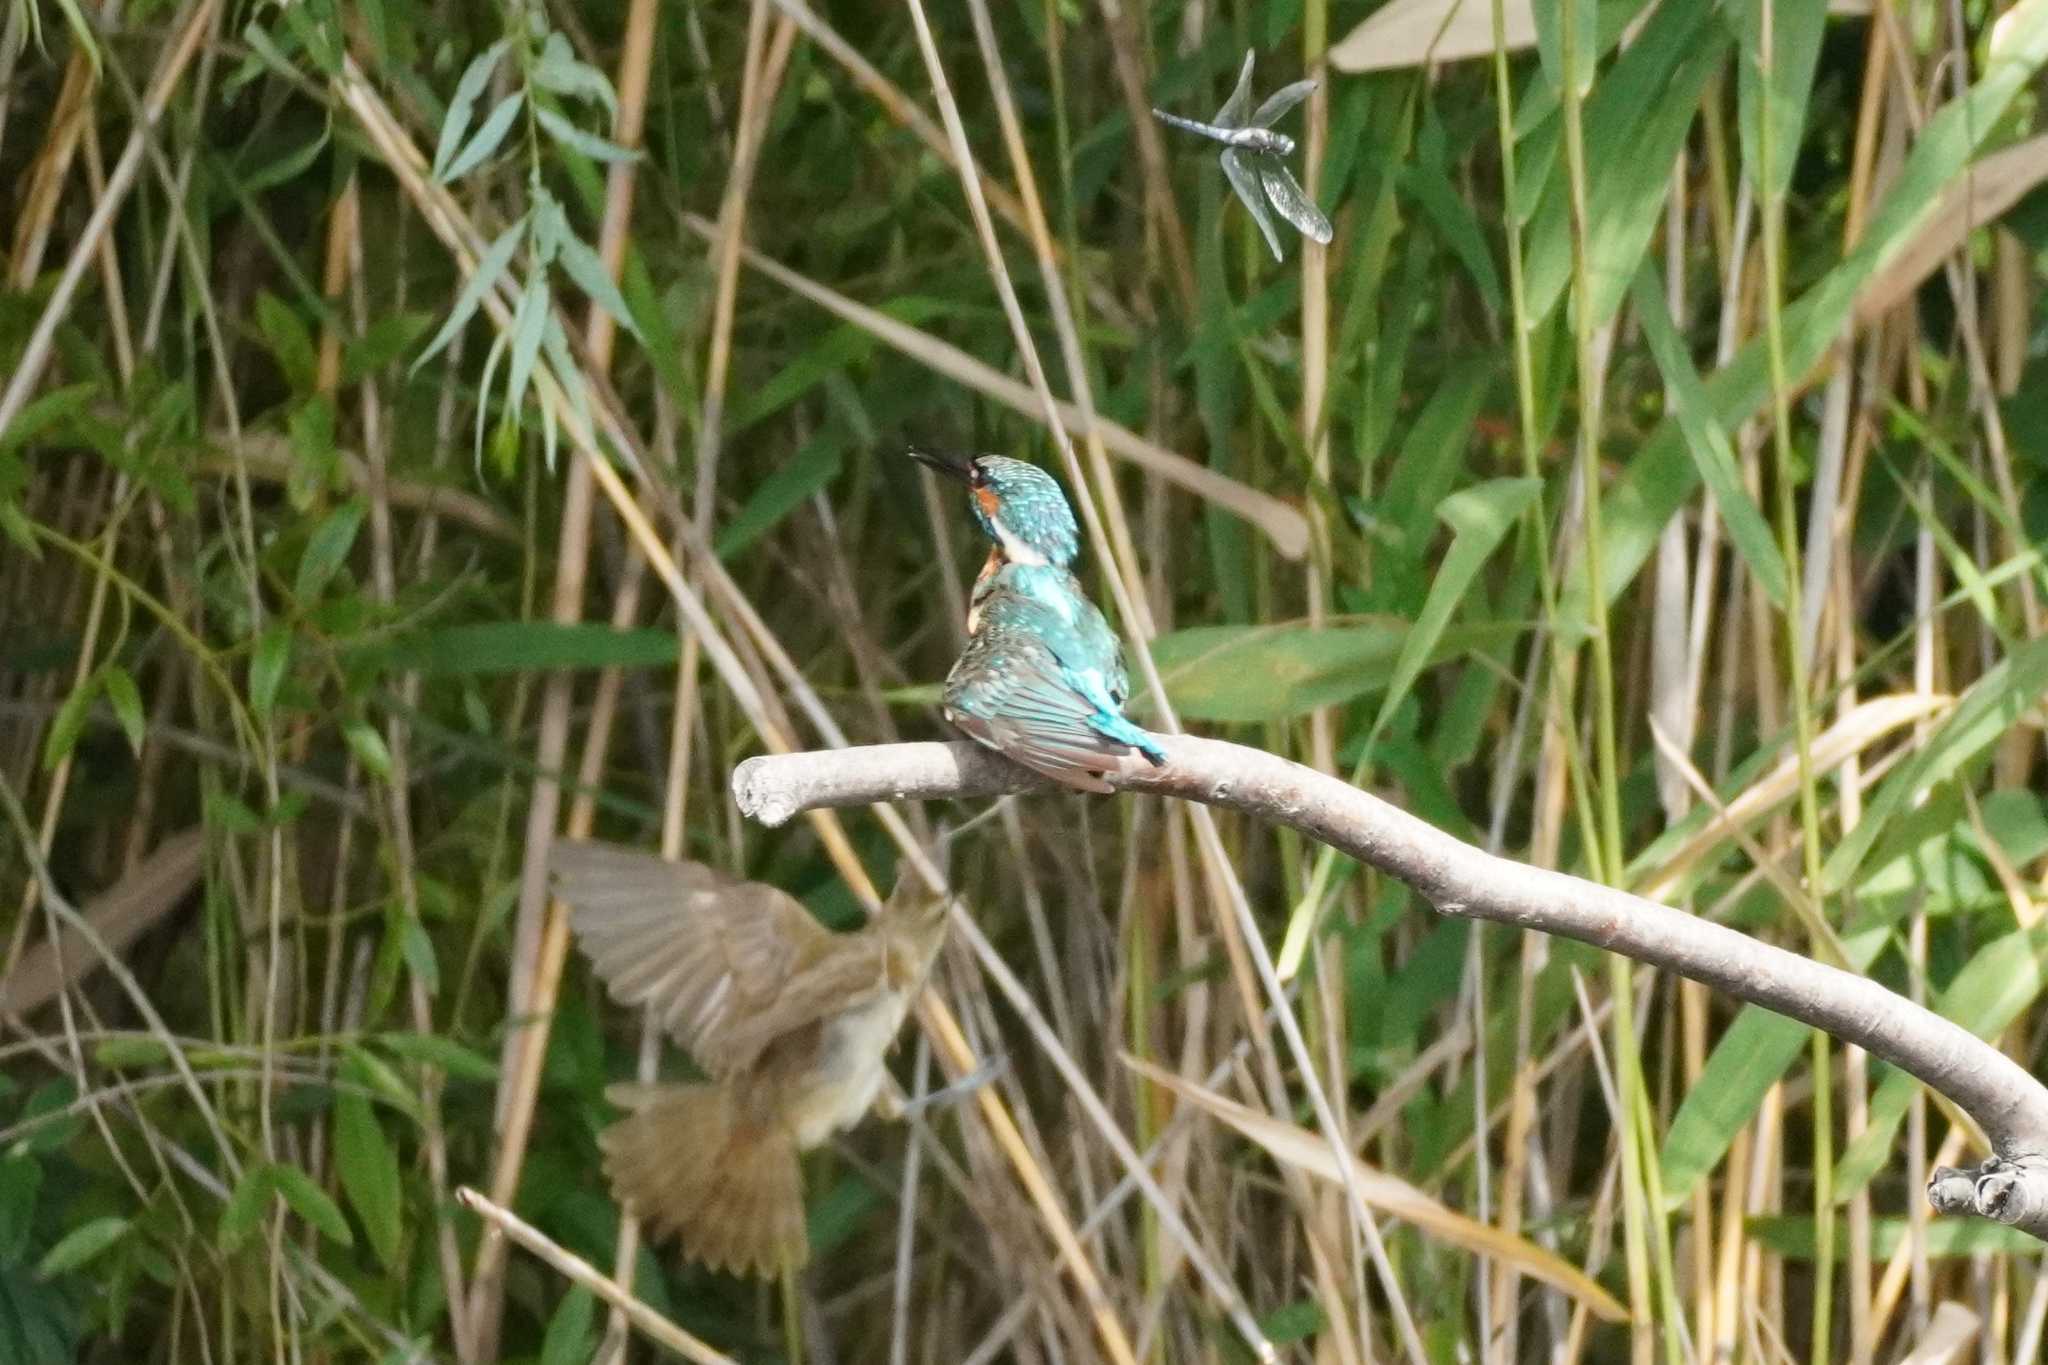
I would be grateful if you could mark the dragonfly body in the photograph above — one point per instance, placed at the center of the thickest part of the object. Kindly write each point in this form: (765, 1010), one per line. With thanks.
(1249, 139)
(1253, 157)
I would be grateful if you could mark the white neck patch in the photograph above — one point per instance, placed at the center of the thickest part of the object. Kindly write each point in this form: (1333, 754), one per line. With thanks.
(1015, 550)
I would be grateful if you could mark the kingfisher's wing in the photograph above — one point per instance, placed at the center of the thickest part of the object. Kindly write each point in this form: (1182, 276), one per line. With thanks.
(1241, 167)
(1280, 101)
(1291, 200)
(724, 965)
(1006, 693)
(1231, 115)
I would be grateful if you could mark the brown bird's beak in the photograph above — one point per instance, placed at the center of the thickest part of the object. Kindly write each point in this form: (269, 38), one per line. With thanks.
(953, 466)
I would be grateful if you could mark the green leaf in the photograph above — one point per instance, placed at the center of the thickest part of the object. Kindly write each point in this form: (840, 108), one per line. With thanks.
(559, 71)
(381, 343)
(1634, 126)
(1478, 517)
(55, 407)
(21, 1180)
(1795, 50)
(311, 1203)
(587, 270)
(1659, 479)
(1264, 673)
(81, 1245)
(489, 267)
(575, 139)
(327, 549)
(1707, 441)
(1992, 706)
(1752, 1056)
(529, 322)
(268, 662)
(813, 466)
(568, 1340)
(1550, 19)
(432, 1050)
(290, 343)
(419, 955)
(127, 703)
(1792, 1235)
(368, 747)
(462, 104)
(368, 1169)
(69, 722)
(496, 124)
(246, 1205)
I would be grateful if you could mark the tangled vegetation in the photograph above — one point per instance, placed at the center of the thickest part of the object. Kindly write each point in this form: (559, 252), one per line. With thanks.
(428, 428)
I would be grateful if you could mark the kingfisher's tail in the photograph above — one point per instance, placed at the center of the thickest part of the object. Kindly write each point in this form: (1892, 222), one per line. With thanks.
(1110, 725)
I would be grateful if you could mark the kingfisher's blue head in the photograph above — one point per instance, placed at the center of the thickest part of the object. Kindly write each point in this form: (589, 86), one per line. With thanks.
(1019, 506)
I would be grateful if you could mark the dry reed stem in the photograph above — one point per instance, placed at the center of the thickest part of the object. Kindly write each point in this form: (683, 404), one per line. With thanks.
(657, 1328)
(1239, 931)
(1283, 525)
(448, 222)
(187, 32)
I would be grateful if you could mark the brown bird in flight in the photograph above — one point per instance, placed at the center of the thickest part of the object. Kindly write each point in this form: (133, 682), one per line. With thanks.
(788, 1019)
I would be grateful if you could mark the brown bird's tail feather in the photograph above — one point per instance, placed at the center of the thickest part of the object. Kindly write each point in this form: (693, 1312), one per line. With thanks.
(688, 1162)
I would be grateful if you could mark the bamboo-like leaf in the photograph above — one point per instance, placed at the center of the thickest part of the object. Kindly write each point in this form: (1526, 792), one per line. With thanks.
(126, 701)
(311, 1203)
(80, 1245)
(1298, 1147)
(529, 326)
(1991, 707)
(1661, 476)
(1634, 126)
(559, 70)
(1708, 443)
(1264, 673)
(584, 267)
(368, 1168)
(577, 140)
(268, 662)
(497, 256)
(487, 138)
(1478, 517)
(327, 549)
(1795, 50)
(462, 104)
(247, 1203)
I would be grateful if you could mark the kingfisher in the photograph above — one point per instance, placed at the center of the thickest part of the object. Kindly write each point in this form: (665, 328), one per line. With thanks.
(1042, 679)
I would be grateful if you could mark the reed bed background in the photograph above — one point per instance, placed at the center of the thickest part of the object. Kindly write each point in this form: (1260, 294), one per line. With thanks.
(425, 428)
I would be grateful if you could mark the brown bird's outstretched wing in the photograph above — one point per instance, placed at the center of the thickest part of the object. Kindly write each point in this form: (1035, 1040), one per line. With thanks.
(726, 966)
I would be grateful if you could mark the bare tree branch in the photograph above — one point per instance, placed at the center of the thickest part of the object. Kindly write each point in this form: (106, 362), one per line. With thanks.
(1458, 879)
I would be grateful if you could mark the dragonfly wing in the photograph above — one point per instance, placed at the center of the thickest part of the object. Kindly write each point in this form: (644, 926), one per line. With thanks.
(1291, 200)
(1231, 115)
(1239, 165)
(1280, 101)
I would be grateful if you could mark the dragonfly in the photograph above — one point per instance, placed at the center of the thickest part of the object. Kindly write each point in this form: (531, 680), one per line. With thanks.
(1252, 154)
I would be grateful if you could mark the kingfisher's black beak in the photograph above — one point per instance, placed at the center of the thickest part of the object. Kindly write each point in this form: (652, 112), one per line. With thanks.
(953, 466)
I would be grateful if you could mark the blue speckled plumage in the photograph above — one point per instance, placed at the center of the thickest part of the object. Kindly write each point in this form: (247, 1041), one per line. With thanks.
(1042, 679)
(1018, 505)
